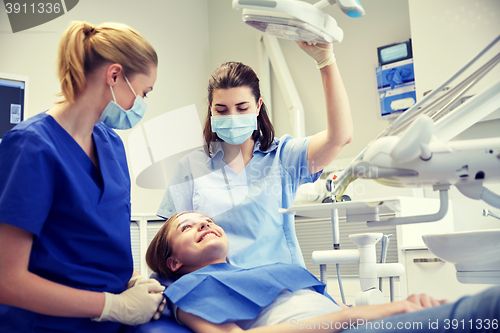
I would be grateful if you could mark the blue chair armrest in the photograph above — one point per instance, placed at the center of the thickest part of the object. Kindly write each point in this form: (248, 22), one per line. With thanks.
(162, 325)
(166, 323)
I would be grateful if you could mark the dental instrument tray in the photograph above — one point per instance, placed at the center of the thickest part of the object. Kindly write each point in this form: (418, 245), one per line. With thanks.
(353, 211)
(379, 212)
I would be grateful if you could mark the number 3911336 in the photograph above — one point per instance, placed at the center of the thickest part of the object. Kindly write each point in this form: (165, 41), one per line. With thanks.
(39, 8)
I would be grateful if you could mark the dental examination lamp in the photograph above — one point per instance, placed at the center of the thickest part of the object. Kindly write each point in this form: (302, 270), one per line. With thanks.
(297, 20)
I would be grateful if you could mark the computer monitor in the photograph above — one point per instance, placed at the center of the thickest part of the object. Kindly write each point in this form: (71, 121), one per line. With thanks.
(13, 101)
(394, 52)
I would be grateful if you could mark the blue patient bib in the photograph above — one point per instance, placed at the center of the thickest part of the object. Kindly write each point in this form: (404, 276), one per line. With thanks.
(222, 293)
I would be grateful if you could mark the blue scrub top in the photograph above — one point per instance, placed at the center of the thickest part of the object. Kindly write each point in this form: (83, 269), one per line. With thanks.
(79, 215)
(246, 205)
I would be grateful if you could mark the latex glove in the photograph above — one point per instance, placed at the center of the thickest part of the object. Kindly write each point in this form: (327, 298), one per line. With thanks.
(161, 307)
(322, 53)
(138, 279)
(134, 306)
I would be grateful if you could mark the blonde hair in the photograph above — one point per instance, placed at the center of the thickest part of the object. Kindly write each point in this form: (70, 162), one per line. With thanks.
(84, 47)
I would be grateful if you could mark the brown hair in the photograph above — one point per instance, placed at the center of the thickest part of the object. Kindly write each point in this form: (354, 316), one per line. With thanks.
(232, 75)
(84, 47)
(160, 249)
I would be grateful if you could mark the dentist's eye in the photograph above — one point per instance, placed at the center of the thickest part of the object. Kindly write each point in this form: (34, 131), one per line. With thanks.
(242, 110)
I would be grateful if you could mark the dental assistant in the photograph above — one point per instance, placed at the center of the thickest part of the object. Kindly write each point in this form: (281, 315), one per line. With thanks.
(65, 255)
(244, 174)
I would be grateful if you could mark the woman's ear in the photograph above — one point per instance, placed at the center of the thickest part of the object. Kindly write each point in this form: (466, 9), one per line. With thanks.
(259, 104)
(112, 73)
(173, 264)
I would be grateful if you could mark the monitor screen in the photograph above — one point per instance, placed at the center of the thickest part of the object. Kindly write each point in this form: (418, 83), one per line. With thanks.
(12, 101)
(394, 52)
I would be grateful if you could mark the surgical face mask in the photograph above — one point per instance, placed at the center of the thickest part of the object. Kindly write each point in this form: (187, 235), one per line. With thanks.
(116, 117)
(234, 129)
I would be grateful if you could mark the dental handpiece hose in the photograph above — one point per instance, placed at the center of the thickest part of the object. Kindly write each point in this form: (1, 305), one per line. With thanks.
(383, 255)
(336, 246)
(336, 235)
(383, 258)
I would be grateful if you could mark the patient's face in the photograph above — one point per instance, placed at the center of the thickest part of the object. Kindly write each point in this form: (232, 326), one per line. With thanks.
(197, 241)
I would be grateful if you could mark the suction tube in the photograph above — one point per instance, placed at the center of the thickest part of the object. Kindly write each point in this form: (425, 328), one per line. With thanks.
(340, 284)
(490, 198)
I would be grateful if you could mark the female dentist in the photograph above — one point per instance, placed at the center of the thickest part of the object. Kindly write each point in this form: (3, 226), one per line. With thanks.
(245, 174)
(65, 255)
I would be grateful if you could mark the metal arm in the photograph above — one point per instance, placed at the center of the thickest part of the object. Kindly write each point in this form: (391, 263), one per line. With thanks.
(487, 212)
(443, 209)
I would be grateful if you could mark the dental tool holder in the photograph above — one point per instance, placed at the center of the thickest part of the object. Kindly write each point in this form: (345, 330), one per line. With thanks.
(487, 212)
(369, 269)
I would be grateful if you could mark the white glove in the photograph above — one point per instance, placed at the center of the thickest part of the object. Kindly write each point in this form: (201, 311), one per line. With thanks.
(138, 279)
(322, 53)
(161, 307)
(134, 306)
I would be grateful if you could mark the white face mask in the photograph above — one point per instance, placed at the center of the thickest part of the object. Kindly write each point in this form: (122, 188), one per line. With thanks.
(116, 117)
(234, 129)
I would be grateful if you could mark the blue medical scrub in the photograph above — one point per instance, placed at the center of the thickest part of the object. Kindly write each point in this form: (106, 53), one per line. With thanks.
(246, 205)
(79, 215)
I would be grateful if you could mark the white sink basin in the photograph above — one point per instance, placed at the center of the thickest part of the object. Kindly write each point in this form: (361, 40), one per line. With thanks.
(476, 254)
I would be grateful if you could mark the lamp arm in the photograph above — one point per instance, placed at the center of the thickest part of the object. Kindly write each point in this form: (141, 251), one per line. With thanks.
(351, 8)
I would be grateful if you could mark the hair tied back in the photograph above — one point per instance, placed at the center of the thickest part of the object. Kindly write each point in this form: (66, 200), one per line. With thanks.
(89, 30)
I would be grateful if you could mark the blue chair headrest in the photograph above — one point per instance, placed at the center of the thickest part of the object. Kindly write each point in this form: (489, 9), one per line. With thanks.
(164, 282)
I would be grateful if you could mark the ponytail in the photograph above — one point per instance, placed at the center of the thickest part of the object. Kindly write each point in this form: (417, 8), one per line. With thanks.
(84, 47)
(71, 57)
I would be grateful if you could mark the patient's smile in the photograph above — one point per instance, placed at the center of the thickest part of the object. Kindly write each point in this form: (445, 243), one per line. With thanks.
(197, 241)
(209, 234)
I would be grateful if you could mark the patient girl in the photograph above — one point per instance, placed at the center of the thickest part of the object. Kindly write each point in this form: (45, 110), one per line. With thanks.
(211, 295)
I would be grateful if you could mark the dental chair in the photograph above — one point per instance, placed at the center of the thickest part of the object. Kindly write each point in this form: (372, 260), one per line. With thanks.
(163, 325)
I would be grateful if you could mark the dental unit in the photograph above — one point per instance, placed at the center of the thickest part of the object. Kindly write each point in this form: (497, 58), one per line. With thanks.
(416, 151)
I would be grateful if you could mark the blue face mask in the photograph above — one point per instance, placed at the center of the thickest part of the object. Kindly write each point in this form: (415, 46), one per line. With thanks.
(234, 129)
(116, 117)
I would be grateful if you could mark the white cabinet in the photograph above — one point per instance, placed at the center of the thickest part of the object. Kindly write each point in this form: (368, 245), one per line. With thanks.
(425, 273)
